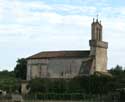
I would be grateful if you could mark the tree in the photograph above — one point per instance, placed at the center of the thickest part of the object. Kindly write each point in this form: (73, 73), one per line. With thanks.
(6, 74)
(118, 72)
(21, 69)
(8, 82)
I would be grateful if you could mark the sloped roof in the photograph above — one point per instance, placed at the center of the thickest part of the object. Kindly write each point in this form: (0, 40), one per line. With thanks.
(60, 54)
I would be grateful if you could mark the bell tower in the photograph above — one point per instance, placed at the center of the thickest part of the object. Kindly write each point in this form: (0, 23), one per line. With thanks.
(98, 48)
(96, 29)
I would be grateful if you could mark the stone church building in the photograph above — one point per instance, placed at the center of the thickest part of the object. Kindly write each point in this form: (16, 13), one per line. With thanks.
(69, 64)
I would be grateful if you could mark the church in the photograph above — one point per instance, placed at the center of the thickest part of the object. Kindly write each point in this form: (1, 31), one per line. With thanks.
(70, 64)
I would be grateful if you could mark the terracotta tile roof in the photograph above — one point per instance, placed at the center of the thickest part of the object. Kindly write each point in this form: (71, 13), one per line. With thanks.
(60, 54)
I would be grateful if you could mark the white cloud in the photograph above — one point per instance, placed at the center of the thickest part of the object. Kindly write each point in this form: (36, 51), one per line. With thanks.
(75, 9)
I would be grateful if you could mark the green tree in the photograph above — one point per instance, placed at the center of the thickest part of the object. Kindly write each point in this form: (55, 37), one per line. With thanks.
(117, 71)
(119, 74)
(6, 74)
(8, 82)
(21, 69)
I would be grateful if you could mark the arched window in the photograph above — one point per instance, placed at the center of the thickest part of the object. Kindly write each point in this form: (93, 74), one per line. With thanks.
(100, 34)
(97, 33)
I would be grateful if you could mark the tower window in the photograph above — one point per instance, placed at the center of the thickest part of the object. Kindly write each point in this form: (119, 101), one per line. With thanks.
(97, 32)
(100, 34)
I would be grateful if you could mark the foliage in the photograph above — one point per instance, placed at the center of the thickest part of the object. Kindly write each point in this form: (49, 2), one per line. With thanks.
(38, 85)
(8, 82)
(6, 74)
(119, 74)
(47, 85)
(21, 69)
(90, 84)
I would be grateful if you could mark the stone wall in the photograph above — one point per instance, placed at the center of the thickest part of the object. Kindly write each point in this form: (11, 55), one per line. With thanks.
(99, 51)
(101, 59)
(53, 68)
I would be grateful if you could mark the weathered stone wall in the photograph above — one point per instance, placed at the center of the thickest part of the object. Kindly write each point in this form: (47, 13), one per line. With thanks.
(101, 59)
(65, 68)
(96, 43)
(34, 68)
(99, 50)
(53, 67)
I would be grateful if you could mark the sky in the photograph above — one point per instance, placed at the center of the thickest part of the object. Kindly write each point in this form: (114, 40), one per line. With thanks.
(31, 26)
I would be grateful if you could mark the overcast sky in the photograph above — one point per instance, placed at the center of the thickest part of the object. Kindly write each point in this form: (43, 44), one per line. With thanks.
(31, 26)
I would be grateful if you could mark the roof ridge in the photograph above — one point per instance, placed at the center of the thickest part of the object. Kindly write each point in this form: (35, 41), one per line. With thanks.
(65, 51)
(60, 54)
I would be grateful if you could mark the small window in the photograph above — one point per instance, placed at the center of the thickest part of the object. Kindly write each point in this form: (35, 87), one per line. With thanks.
(97, 32)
